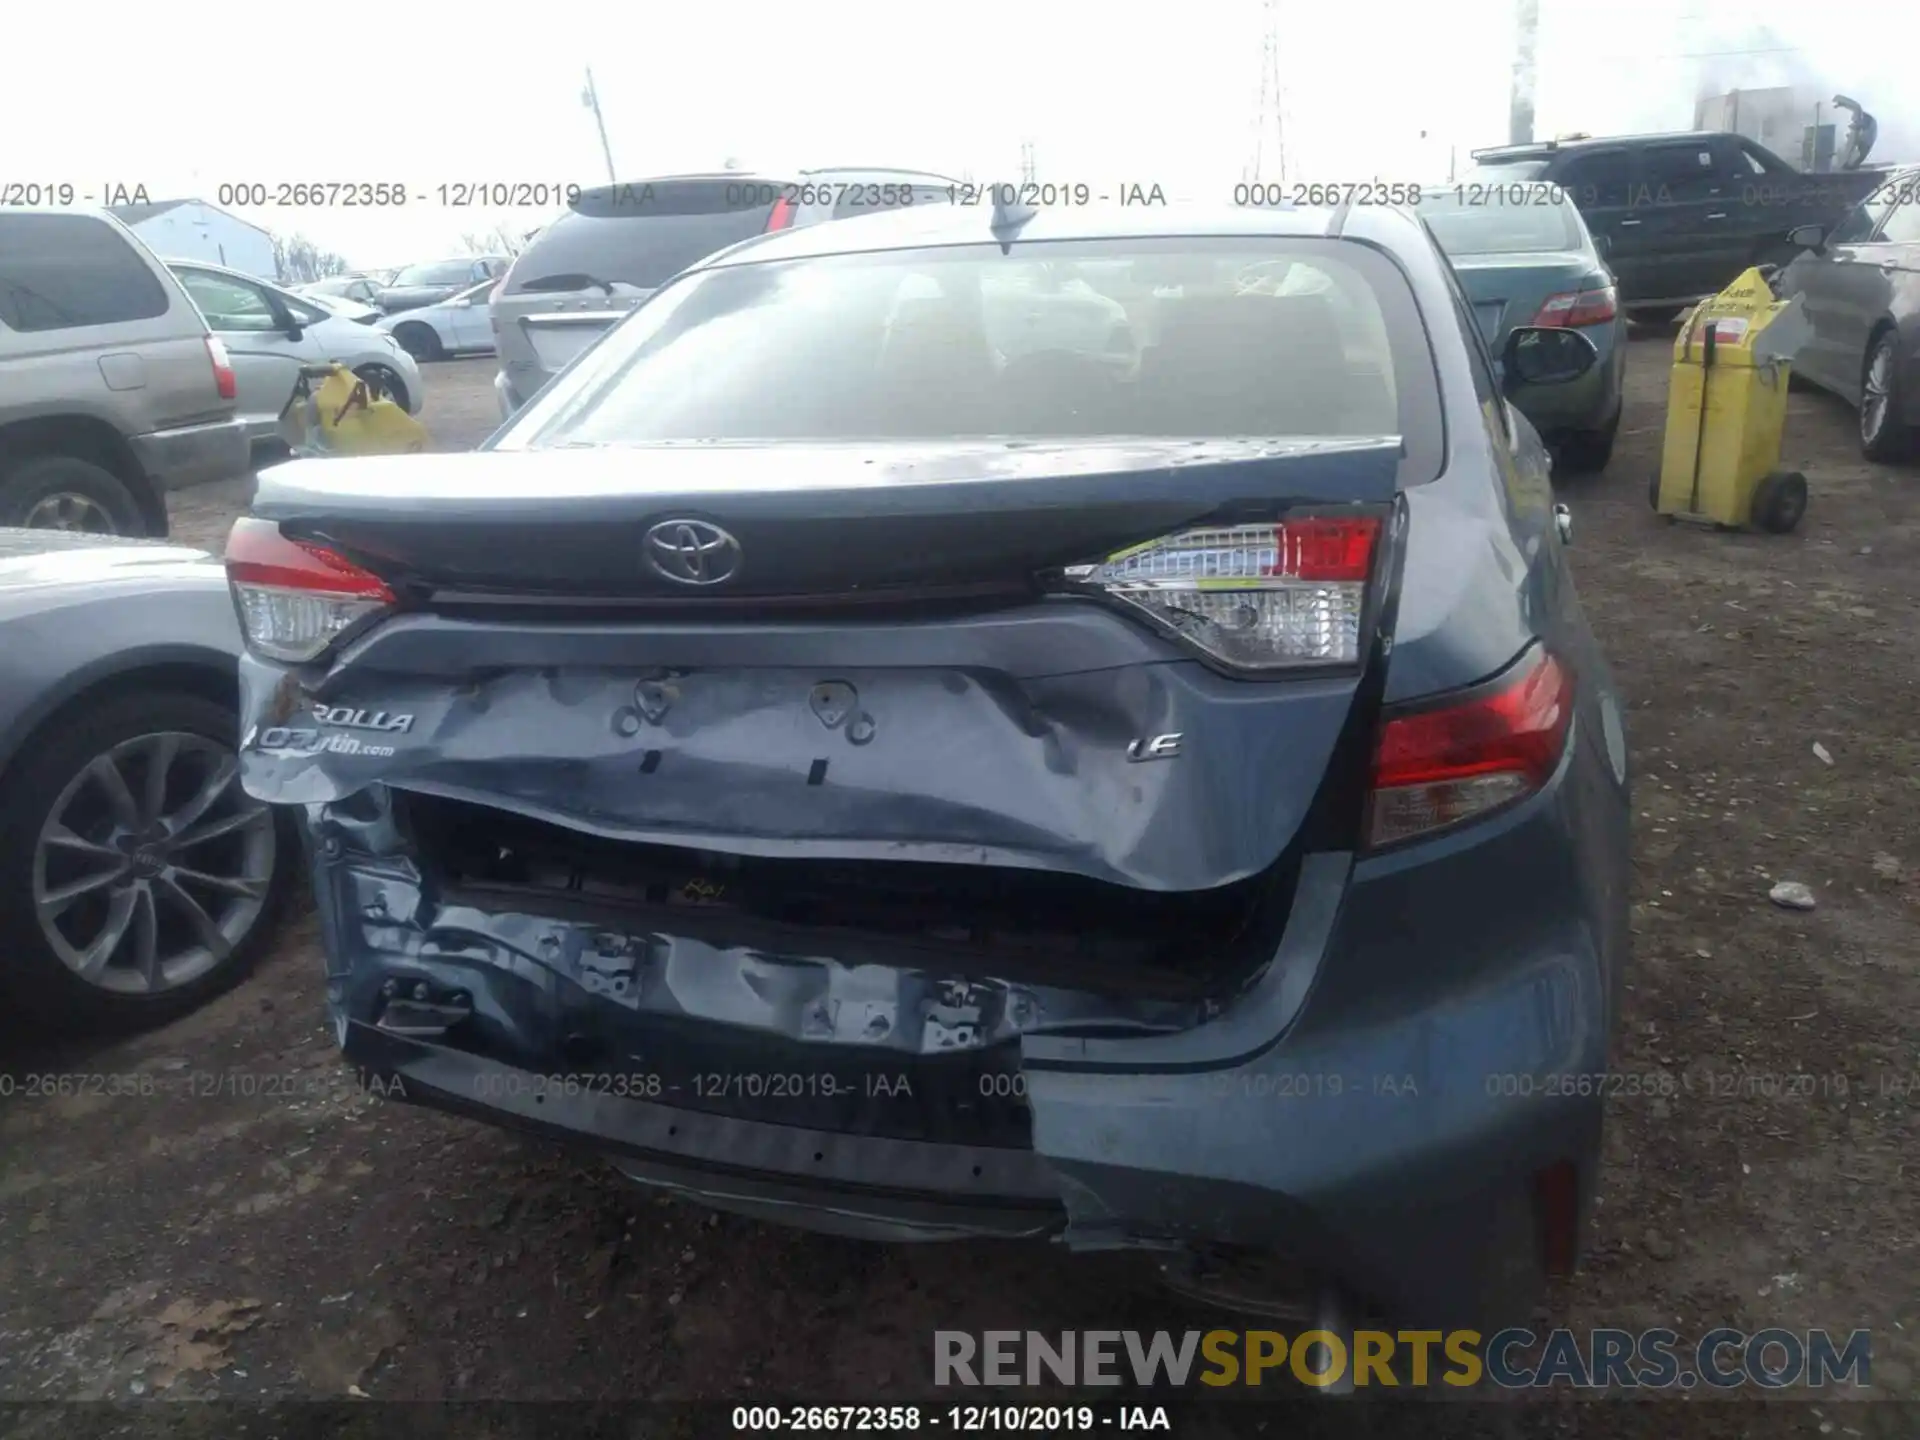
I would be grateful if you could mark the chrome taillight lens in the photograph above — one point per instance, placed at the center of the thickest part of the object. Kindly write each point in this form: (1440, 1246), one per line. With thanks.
(295, 599)
(1257, 597)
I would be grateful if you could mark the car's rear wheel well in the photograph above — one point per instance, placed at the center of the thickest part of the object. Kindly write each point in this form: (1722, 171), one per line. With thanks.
(419, 339)
(84, 438)
(186, 677)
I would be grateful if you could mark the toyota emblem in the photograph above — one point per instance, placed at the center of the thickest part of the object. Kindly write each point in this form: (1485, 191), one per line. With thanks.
(692, 552)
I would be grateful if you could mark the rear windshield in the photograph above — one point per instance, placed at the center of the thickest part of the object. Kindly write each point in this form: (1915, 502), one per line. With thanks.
(643, 234)
(442, 272)
(60, 271)
(1494, 215)
(1186, 338)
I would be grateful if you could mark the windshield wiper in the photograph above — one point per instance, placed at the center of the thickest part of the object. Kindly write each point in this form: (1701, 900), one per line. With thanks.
(571, 280)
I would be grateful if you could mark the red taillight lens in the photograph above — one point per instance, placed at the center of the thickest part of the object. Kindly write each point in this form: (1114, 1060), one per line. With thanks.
(223, 377)
(1259, 597)
(1579, 307)
(1326, 549)
(295, 598)
(1439, 767)
(782, 215)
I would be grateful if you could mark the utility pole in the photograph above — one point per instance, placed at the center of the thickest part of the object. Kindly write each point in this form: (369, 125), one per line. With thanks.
(1272, 110)
(1026, 162)
(1526, 23)
(590, 98)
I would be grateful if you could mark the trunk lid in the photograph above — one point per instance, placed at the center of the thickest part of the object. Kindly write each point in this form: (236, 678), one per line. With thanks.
(804, 519)
(1038, 732)
(1507, 291)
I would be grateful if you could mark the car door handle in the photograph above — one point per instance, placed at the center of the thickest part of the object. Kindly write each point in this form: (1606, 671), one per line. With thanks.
(1625, 223)
(1889, 264)
(1718, 215)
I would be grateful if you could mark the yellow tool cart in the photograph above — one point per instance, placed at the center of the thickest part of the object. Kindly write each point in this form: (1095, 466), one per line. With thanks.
(1726, 408)
(334, 412)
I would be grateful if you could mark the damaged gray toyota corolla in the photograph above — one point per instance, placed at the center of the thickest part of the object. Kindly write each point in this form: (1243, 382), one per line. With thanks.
(1081, 732)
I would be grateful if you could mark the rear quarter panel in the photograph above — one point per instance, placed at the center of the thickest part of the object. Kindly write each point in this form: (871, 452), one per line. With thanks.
(1485, 574)
(57, 642)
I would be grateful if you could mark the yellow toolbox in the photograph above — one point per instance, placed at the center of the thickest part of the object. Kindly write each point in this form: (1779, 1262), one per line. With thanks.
(332, 411)
(1726, 408)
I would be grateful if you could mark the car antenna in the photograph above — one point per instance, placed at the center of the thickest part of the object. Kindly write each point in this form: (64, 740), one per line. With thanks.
(1008, 216)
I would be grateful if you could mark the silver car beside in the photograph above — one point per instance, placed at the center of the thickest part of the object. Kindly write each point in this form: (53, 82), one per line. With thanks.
(112, 391)
(1858, 282)
(270, 333)
(617, 244)
(460, 325)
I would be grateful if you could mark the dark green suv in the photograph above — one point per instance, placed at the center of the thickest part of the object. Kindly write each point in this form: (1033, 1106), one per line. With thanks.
(1681, 215)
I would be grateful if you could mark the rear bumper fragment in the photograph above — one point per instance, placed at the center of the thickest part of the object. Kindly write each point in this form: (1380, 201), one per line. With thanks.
(1380, 1156)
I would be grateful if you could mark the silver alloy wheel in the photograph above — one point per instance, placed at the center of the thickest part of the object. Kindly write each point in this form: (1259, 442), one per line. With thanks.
(1877, 395)
(70, 510)
(153, 864)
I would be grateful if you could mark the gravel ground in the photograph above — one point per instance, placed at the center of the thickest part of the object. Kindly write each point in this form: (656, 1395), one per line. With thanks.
(306, 1240)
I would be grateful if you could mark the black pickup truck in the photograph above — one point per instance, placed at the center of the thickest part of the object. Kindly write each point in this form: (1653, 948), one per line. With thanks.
(1678, 215)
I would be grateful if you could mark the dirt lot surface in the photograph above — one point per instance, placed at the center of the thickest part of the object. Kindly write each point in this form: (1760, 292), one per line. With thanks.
(280, 1234)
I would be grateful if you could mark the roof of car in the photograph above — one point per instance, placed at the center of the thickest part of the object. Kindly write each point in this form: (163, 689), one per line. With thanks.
(1540, 149)
(174, 262)
(923, 225)
(134, 214)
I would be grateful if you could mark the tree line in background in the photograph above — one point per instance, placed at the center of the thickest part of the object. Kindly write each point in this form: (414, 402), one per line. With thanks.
(298, 261)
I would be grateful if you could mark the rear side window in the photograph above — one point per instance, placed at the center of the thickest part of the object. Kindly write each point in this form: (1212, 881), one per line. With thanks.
(229, 304)
(1683, 172)
(1601, 179)
(1183, 338)
(1860, 223)
(60, 272)
(643, 234)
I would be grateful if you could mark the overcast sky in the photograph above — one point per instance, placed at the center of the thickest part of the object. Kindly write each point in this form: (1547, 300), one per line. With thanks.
(427, 93)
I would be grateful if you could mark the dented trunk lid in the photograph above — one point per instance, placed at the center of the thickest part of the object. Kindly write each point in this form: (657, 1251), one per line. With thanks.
(540, 669)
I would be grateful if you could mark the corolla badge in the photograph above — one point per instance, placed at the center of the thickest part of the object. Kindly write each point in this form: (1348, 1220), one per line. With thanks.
(692, 552)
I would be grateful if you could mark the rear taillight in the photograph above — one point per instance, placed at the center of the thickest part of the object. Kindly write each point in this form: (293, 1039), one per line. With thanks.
(1438, 767)
(1579, 307)
(1257, 597)
(223, 377)
(782, 215)
(295, 598)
